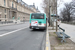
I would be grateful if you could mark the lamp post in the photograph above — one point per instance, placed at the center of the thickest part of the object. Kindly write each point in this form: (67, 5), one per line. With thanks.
(56, 17)
(49, 13)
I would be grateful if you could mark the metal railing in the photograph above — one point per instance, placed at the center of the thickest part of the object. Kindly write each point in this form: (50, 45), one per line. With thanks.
(6, 22)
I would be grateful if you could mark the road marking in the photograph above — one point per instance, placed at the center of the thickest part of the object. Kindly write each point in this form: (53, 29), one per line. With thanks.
(47, 38)
(12, 31)
(46, 42)
(47, 48)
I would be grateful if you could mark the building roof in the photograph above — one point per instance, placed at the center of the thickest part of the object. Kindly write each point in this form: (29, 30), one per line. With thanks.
(33, 6)
(19, 1)
(28, 6)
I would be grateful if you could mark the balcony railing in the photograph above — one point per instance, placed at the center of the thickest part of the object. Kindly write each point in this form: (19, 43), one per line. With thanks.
(13, 8)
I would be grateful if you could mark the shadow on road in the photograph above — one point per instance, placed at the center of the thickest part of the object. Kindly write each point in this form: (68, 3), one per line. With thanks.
(39, 30)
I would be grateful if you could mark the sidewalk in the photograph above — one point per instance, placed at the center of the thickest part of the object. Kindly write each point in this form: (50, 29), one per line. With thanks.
(55, 42)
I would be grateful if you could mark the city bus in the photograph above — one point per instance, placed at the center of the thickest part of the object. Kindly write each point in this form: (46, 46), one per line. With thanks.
(38, 21)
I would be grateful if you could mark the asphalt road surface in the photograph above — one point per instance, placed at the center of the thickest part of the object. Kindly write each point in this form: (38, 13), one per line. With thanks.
(22, 39)
(69, 30)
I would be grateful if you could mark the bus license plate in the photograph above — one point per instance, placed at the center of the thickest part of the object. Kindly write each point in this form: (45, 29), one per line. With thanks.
(39, 23)
(37, 28)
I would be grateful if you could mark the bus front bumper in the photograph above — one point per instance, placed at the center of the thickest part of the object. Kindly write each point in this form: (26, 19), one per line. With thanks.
(36, 27)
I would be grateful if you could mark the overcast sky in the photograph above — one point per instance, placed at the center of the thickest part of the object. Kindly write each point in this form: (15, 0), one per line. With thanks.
(62, 4)
(39, 2)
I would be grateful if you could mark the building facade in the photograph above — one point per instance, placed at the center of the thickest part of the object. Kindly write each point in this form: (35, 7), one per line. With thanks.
(15, 10)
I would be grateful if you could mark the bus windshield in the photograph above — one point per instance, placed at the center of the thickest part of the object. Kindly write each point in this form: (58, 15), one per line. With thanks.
(37, 16)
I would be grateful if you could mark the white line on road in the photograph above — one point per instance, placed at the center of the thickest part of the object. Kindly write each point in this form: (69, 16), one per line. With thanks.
(12, 31)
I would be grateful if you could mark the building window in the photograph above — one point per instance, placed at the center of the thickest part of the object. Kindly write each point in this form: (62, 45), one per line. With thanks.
(5, 16)
(16, 6)
(4, 2)
(0, 15)
(5, 10)
(23, 17)
(12, 4)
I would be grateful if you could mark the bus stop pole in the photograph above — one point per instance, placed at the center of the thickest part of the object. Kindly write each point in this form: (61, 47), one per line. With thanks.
(56, 17)
(49, 15)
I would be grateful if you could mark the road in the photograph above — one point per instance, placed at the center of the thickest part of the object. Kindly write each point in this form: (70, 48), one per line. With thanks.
(21, 39)
(69, 30)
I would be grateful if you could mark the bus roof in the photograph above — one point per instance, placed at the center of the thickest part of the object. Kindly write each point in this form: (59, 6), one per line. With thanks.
(37, 13)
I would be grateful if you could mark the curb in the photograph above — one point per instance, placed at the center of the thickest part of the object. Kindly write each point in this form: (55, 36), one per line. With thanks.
(48, 47)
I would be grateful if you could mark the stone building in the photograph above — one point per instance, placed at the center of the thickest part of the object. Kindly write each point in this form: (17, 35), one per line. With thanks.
(15, 10)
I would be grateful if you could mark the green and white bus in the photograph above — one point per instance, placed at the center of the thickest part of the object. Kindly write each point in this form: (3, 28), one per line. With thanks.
(37, 21)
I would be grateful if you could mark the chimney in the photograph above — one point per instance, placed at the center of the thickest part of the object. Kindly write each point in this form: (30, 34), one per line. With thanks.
(34, 4)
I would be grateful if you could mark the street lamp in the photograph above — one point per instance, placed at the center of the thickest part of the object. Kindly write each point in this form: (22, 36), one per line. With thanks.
(49, 14)
(56, 16)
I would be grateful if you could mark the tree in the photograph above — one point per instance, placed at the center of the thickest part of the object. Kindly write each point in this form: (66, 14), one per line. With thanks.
(45, 6)
(67, 11)
(53, 5)
(63, 14)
